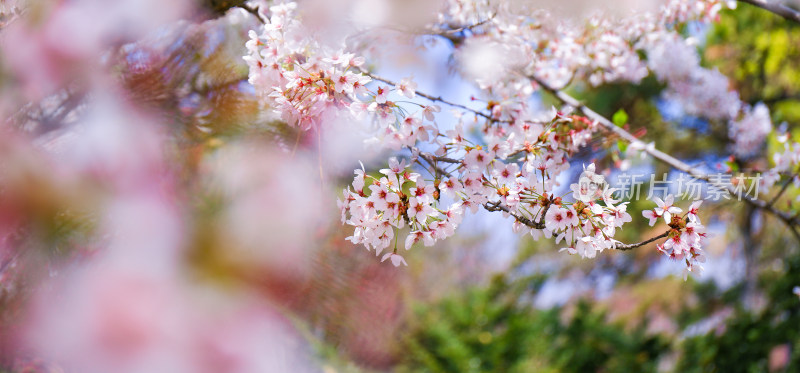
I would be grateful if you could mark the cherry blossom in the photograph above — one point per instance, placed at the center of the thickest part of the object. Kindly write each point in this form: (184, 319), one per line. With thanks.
(397, 260)
(652, 215)
(686, 235)
(122, 306)
(506, 156)
(665, 207)
(407, 88)
(750, 131)
(692, 211)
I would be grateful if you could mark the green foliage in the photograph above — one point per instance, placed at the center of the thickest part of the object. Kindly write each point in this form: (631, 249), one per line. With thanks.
(748, 338)
(762, 64)
(482, 329)
(620, 118)
(495, 329)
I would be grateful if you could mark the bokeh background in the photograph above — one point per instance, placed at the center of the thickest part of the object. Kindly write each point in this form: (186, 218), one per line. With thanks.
(155, 217)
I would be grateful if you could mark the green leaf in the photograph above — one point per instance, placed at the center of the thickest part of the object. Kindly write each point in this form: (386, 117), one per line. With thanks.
(622, 146)
(620, 118)
(733, 166)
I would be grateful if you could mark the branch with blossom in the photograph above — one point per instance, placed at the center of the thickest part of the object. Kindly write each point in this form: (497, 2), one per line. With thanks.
(514, 166)
(789, 219)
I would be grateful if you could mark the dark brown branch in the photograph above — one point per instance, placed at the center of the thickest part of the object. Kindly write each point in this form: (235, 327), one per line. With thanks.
(779, 9)
(795, 233)
(452, 30)
(219, 7)
(496, 206)
(254, 11)
(439, 159)
(780, 193)
(432, 161)
(645, 242)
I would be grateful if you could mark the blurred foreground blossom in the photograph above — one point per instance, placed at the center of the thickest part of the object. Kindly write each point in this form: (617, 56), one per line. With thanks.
(124, 315)
(63, 41)
(165, 181)
(274, 206)
(123, 222)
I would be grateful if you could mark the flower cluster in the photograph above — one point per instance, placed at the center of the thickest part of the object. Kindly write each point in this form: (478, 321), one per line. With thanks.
(514, 165)
(376, 206)
(298, 77)
(604, 51)
(686, 235)
(590, 222)
(786, 163)
(681, 11)
(749, 132)
(306, 83)
(701, 92)
(514, 173)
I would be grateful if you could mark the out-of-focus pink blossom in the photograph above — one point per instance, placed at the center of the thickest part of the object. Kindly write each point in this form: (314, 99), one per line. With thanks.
(273, 211)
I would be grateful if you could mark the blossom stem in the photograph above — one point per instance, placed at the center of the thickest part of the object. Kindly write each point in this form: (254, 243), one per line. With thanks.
(427, 96)
(645, 242)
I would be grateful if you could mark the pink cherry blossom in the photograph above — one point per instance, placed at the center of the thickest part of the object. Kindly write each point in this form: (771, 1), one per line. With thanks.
(653, 215)
(381, 93)
(407, 87)
(692, 213)
(428, 111)
(396, 259)
(665, 207)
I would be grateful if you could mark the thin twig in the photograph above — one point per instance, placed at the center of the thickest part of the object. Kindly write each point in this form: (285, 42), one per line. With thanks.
(496, 206)
(439, 159)
(455, 30)
(780, 193)
(254, 11)
(425, 95)
(795, 233)
(645, 242)
(432, 161)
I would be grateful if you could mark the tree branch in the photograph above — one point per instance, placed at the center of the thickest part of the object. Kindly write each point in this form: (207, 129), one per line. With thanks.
(625, 247)
(569, 100)
(427, 96)
(496, 206)
(452, 30)
(489, 206)
(439, 159)
(254, 10)
(779, 9)
(780, 192)
(661, 156)
(219, 7)
(432, 160)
